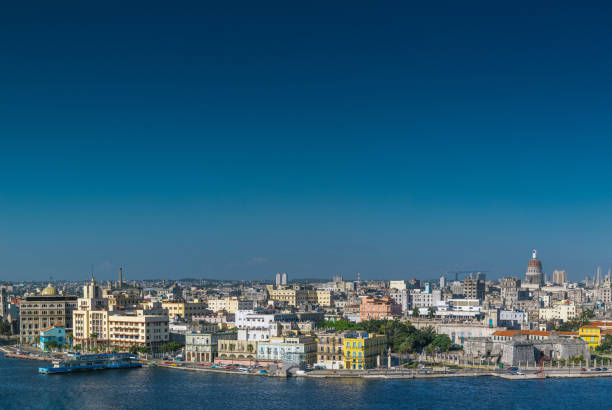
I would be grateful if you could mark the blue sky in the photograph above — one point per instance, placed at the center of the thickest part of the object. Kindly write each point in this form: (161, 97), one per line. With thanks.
(397, 140)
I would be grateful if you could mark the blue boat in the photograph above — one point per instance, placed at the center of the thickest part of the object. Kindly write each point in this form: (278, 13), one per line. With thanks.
(84, 362)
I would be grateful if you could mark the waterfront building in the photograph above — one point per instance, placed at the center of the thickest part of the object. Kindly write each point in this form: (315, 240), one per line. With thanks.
(512, 347)
(534, 278)
(108, 329)
(203, 347)
(38, 312)
(55, 333)
(362, 350)
(594, 332)
(243, 349)
(378, 308)
(330, 353)
(95, 326)
(298, 350)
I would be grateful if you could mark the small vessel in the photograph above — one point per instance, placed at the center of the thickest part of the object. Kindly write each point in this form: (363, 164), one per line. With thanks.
(83, 362)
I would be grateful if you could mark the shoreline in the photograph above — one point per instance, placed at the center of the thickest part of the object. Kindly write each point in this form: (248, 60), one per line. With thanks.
(391, 375)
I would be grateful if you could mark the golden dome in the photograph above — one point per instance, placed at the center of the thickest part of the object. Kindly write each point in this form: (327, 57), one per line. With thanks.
(49, 290)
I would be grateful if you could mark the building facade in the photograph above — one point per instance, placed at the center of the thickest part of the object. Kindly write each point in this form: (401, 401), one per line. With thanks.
(363, 351)
(41, 311)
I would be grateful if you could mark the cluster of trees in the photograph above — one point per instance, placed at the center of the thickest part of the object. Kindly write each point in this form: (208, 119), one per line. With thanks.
(606, 345)
(402, 337)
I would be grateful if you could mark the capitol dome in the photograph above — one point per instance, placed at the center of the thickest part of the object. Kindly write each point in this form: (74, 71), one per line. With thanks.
(536, 264)
(534, 276)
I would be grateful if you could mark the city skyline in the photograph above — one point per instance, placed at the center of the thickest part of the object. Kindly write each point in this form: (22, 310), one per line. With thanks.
(312, 139)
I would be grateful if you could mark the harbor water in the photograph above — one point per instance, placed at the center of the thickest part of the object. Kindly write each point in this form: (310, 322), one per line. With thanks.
(21, 387)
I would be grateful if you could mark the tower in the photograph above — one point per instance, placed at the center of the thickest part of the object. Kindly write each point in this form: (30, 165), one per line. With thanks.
(120, 277)
(598, 279)
(278, 278)
(3, 303)
(284, 278)
(534, 278)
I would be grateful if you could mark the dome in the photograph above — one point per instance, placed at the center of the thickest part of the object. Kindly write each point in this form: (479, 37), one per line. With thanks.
(535, 263)
(49, 290)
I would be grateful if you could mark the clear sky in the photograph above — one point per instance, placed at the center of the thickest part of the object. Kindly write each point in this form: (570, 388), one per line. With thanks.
(237, 139)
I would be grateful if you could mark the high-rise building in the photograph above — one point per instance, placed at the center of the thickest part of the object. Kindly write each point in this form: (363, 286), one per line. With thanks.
(284, 278)
(473, 288)
(534, 278)
(3, 303)
(278, 279)
(559, 277)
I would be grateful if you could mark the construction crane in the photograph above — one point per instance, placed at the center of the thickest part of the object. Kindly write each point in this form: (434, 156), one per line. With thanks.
(541, 361)
(463, 272)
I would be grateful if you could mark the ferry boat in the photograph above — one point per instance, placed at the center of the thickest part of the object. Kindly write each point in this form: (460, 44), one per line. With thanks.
(85, 362)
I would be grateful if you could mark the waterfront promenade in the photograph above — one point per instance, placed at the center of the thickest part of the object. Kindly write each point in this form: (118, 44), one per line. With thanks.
(431, 368)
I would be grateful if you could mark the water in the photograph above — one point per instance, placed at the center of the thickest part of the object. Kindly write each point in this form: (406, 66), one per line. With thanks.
(147, 388)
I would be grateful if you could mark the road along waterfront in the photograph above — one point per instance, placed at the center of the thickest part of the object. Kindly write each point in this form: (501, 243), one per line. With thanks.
(153, 387)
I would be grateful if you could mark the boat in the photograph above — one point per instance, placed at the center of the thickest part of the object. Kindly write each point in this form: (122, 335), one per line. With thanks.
(84, 362)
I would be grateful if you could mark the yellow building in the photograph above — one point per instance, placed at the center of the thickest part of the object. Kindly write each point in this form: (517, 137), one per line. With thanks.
(293, 295)
(185, 310)
(324, 298)
(590, 334)
(362, 350)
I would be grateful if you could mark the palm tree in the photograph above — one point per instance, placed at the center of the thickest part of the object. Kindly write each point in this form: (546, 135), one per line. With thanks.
(94, 337)
(431, 313)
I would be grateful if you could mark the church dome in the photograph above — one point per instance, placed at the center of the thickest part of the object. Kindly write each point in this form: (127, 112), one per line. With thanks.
(49, 290)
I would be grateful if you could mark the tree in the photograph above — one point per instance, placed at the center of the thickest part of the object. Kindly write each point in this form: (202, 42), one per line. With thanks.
(52, 345)
(5, 328)
(585, 316)
(606, 344)
(78, 347)
(416, 312)
(441, 343)
(170, 346)
(431, 313)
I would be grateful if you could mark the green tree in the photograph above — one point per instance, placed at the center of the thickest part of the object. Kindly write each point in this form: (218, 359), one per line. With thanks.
(416, 312)
(431, 313)
(5, 328)
(170, 346)
(441, 343)
(606, 344)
